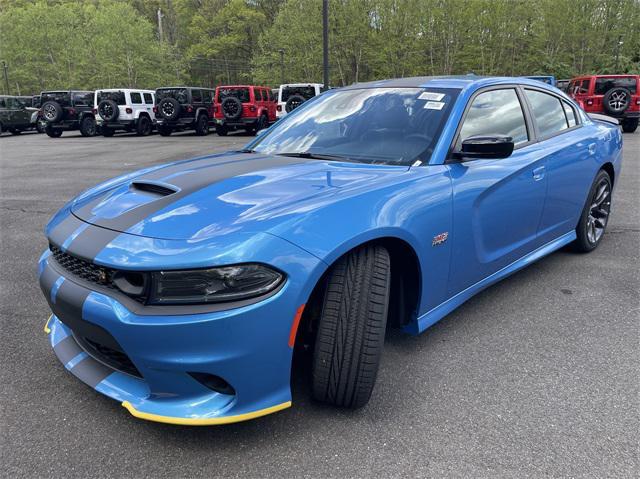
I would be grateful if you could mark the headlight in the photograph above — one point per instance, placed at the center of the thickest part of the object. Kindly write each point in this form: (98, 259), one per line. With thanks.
(215, 285)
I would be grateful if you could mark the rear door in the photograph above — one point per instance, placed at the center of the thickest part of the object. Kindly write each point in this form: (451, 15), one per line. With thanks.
(497, 203)
(569, 158)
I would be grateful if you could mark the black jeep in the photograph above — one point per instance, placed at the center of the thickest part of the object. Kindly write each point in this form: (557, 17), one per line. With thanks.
(184, 108)
(68, 110)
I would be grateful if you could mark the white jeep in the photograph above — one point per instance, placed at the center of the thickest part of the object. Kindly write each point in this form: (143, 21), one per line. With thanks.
(292, 95)
(124, 109)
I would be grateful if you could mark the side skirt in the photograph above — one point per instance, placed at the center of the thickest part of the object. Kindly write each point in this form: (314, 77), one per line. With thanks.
(439, 312)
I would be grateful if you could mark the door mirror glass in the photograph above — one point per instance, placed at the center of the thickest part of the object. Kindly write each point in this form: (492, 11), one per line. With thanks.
(489, 147)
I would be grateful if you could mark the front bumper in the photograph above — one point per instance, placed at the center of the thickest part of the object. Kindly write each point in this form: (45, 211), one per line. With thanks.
(249, 347)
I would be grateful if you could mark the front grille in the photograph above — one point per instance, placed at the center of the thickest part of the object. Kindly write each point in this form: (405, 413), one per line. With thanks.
(111, 357)
(88, 271)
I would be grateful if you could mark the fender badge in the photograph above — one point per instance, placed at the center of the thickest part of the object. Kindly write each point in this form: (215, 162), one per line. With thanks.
(439, 239)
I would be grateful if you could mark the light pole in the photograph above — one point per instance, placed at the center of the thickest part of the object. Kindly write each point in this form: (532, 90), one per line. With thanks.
(281, 51)
(325, 42)
(618, 45)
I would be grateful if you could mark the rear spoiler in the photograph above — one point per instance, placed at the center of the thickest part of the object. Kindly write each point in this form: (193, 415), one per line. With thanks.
(605, 118)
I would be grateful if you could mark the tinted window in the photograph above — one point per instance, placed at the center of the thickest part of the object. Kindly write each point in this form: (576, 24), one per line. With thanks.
(548, 112)
(603, 85)
(495, 113)
(570, 113)
(241, 93)
(35, 102)
(148, 98)
(207, 96)
(179, 94)
(136, 98)
(116, 96)
(61, 97)
(3, 104)
(196, 96)
(584, 87)
(82, 98)
(370, 125)
(306, 92)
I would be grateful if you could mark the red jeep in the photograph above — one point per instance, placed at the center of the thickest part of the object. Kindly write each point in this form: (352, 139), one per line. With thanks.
(252, 108)
(613, 95)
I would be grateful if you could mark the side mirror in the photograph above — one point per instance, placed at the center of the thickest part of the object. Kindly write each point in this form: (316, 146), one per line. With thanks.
(489, 147)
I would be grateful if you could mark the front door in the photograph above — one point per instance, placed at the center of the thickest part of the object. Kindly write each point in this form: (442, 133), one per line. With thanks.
(497, 203)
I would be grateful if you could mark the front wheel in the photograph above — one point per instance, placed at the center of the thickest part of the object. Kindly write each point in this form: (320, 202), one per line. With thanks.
(595, 214)
(351, 328)
(88, 126)
(629, 125)
(53, 132)
(202, 125)
(144, 126)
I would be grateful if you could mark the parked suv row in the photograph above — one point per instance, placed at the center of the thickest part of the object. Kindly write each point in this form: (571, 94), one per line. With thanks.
(614, 95)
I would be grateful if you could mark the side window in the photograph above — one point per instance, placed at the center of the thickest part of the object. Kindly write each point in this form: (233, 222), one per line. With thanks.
(148, 98)
(3, 104)
(548, 112)
(259, 96)
(196, 96)
(136, 98)
(570, 113)
(495, 113)
(82, 98)
(208, 96)
(584, 87)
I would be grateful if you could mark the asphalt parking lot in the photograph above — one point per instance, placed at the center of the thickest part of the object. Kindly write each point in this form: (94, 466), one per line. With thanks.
(537, 376)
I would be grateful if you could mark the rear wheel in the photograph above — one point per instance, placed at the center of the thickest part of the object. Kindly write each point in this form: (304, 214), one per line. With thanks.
(202, 125)
(88, 126)
(144, 126)
(595, 214)
(351, 328)
(164, 130)
(107, 132)
(15, 131)
(53, 132)
(629, 125)
(222, 130)
(41, 124)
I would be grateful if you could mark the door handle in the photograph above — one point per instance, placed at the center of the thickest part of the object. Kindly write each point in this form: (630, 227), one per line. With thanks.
(592, 149)
(538, 173)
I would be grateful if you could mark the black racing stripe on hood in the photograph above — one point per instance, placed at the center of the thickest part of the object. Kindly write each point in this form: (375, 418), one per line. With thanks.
(90, 242)
(64, 229)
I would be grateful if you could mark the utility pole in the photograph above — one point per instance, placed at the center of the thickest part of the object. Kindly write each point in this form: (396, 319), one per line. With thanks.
(325, 42)
(6, 76)
(160, 35)
(281, 66)
(618, 45)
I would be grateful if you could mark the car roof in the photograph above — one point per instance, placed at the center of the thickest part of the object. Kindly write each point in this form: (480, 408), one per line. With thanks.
(461, 82)
(125, 89)
(185, 87)
(300, 84)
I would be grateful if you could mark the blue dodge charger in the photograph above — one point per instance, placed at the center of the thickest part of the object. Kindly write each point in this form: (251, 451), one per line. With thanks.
(182, 290)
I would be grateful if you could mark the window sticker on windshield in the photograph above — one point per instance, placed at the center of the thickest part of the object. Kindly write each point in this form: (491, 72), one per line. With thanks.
(434, 105)
(429, 95)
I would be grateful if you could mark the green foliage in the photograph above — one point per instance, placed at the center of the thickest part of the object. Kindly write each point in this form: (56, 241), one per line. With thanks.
(102, 43)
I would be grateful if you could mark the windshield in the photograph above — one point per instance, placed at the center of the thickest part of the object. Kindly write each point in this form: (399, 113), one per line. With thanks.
(241, 94)
(62, 97)
(604, 84)
(394, 126)
(179, 94)
(306, 92)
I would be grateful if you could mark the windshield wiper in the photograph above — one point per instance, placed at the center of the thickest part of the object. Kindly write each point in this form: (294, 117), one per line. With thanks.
(316, 156)
(245, 150)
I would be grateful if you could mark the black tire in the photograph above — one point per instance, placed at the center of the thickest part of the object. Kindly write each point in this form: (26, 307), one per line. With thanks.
(231, 108)
(351, 328)
(293, 102)
(595, 215)
(16, 132)
(263, 123)
(144, 126)
(169, 108)
(107, 132)
(108, 110)
(222, 130)
(616, 101)
(629, 125)
(52, 111)
(53, 132)
(202, 125)
(1, 130)
(165, 130)
(41, 124)
(88, 126)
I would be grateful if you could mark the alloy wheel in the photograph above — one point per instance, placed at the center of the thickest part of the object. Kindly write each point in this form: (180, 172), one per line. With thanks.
(599, 211)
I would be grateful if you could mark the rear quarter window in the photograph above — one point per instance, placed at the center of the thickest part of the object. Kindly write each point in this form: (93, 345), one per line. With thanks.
(603, 85)
(136, 98)
(548, 112)
(148, 98)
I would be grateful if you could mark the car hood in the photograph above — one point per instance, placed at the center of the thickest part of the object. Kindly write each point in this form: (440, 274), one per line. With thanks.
(223, 194)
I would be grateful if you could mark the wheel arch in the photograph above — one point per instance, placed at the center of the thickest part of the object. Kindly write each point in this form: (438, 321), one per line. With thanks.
(608, 167)
(406, 285)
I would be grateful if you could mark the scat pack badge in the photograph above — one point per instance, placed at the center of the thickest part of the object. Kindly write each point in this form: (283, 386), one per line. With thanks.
(439, 239)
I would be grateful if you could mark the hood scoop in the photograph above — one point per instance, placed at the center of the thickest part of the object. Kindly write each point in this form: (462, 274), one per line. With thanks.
(156, 188)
